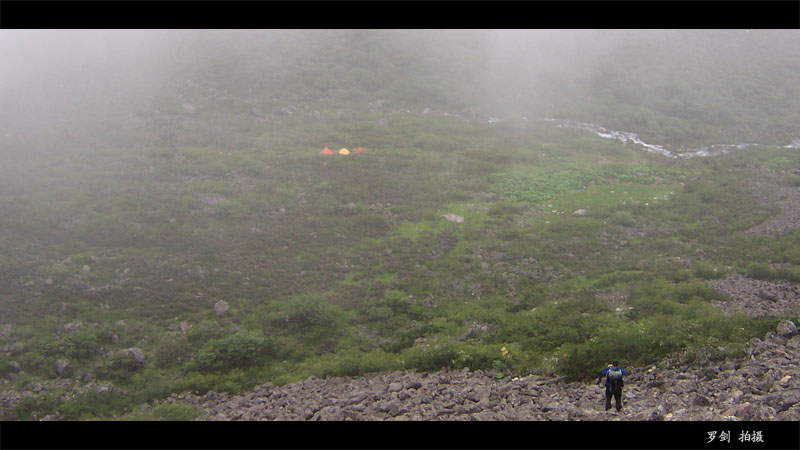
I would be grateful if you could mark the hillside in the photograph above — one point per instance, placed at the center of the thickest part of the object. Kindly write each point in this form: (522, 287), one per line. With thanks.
(709, 384)
(169, 224)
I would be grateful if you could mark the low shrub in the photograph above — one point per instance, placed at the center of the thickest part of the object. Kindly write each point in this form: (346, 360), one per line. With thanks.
(432, 355)
(706, 271)
(5, 368)
(171, 354)
(623, 218)
(762, 271)
(241, 349)
(504, 209)
(790, 180)
(95, 405)
(353, 363)
(640, 343)
(308, 311)
(32, 408)
(759, 270)
(780, 162)
(169, 412)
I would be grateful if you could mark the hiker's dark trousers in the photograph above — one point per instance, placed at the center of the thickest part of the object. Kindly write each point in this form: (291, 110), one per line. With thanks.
(617, 398)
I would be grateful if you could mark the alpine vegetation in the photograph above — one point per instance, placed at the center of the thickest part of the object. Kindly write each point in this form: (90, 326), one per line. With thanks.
(399, 224)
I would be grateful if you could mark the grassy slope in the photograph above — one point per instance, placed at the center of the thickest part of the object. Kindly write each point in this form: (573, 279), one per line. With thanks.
(734, 86)
(337, 266)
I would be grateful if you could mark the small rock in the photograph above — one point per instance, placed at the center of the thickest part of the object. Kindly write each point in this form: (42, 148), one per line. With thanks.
(72, 326)
(184, 327)
(377, 104)
(769, 296)
(414, 385)
(787, 329)
(789, 399)
(792, 414)
(579, 213)
(474, 330)
(104, 387)
(453, 218)
(189, 108)
(700, 400)
(86, 377)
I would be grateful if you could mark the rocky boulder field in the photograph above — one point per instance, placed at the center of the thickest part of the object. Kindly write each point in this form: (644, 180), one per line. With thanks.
(758, 298)
(763, 384)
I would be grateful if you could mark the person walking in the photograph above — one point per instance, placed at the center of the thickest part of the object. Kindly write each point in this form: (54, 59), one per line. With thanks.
(613, 375)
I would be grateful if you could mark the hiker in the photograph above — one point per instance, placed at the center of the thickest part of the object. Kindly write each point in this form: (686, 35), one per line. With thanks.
(613, 374)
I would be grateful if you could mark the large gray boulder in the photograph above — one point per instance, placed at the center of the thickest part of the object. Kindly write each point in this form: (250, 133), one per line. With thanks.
(62, 367)
(133, 354)
(221, 307)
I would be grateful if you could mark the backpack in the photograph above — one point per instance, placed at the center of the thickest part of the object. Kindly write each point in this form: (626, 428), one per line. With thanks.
(614, 379)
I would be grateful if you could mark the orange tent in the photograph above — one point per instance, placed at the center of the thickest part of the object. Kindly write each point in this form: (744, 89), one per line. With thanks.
(326, 151)
(359, 150)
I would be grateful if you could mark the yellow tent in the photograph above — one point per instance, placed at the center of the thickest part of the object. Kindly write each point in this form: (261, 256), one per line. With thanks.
(344, 151)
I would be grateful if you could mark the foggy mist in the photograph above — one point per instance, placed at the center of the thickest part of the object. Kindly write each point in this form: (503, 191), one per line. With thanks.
(47, 70)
